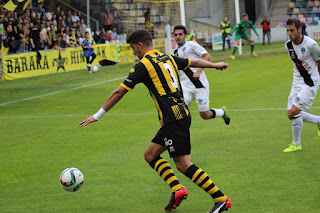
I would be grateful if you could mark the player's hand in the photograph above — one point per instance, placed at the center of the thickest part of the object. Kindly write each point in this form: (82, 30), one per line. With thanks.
(258, 37)
(196, 75)
(221, 66)
(87, 121)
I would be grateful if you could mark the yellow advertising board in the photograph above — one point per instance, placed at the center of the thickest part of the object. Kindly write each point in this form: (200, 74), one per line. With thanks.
(126, 53)
(26, 65)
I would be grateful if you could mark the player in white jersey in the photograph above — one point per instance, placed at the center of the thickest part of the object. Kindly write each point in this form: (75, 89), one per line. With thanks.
(305, 54)
(194, 82)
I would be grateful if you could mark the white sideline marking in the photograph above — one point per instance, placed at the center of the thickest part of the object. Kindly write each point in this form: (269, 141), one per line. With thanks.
(141, 113)
(66, 90)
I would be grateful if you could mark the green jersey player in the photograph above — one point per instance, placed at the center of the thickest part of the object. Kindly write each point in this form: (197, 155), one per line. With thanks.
(240, 30)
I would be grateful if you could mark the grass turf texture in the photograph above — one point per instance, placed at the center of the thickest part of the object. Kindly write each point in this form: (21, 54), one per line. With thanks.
(40, 138)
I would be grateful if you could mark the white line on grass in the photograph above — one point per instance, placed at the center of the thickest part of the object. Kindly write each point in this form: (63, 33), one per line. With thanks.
(140, 113)
(66, 90)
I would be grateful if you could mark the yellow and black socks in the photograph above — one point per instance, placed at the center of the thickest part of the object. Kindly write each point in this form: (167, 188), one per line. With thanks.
(164, 170)
(199, 177)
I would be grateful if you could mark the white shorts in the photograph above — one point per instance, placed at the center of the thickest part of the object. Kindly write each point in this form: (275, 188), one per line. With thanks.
(200, 95)
(302, 96)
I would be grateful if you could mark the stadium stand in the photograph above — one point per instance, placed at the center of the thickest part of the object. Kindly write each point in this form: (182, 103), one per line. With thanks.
(307, 11)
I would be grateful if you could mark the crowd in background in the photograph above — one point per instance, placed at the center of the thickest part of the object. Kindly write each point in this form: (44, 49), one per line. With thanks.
(36, 28)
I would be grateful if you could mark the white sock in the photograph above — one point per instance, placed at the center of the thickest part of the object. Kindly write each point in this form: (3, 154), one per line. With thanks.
(310, 118)
(219, 112)
(297, 124)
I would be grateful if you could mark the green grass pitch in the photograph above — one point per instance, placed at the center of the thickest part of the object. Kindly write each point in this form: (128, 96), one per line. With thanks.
(40, 138)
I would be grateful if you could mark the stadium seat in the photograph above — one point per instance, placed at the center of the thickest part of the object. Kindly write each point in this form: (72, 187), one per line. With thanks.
(287, 17)
(316, 18)
(280, 24)
(291, 4)
(296, 10)
(303, 20)
(283, 20)
(294, 16)
(317, 3)
(297, 4)
(309, 9)
(314, 15)
(309, 19)
(310, 3)
(302, 10)
(299, 0)
(304, 4)
(314, 9)
(307, 23)
(289, 10)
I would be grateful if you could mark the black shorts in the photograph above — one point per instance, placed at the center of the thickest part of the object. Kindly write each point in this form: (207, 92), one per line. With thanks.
(175, 136)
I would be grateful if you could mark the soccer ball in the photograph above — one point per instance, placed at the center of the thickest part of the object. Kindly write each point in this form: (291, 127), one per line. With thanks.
(95, 68)
(71, 179)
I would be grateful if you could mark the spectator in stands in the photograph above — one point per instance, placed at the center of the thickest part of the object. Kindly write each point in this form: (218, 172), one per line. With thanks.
(96, 36)
(44, 38)
(266, 29)
(75, 17)
(24, 38)
(83, 26)
(2, 31)
(68, 18)
(71, 39)
(114, 34)
(52, 36)
(60, 44)
(104, 36)
(82, 38)
(107, 23)
(54, 20)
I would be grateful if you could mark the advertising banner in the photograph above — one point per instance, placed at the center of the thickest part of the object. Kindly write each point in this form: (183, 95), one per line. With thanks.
(27, 64)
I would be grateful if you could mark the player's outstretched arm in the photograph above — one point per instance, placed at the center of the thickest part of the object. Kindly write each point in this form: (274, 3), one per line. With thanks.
(112, 100)
(207, 64)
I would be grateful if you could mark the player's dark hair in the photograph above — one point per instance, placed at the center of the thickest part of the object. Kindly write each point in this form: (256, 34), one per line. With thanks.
(142, 36)
(244, 14)
(294, 21)
(180, 27)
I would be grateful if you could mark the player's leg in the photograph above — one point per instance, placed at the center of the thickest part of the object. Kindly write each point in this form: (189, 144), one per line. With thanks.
(308, 95)
(263, 35)
(252, 46)
(300, 99)
(93, 56)
(238, 37)
(161, 142)
(187, 95)
(88, 64)
(229, 42)
(202, 99)
(223, 41)
(202, 179)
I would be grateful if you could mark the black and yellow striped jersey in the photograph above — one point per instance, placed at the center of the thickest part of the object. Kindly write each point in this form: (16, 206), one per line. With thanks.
(159, 73)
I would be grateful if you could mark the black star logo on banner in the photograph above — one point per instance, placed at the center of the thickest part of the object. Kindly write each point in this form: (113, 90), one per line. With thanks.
(60, 62)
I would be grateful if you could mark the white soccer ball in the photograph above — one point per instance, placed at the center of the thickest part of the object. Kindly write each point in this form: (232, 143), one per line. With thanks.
(95, 68)
(71, 179)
